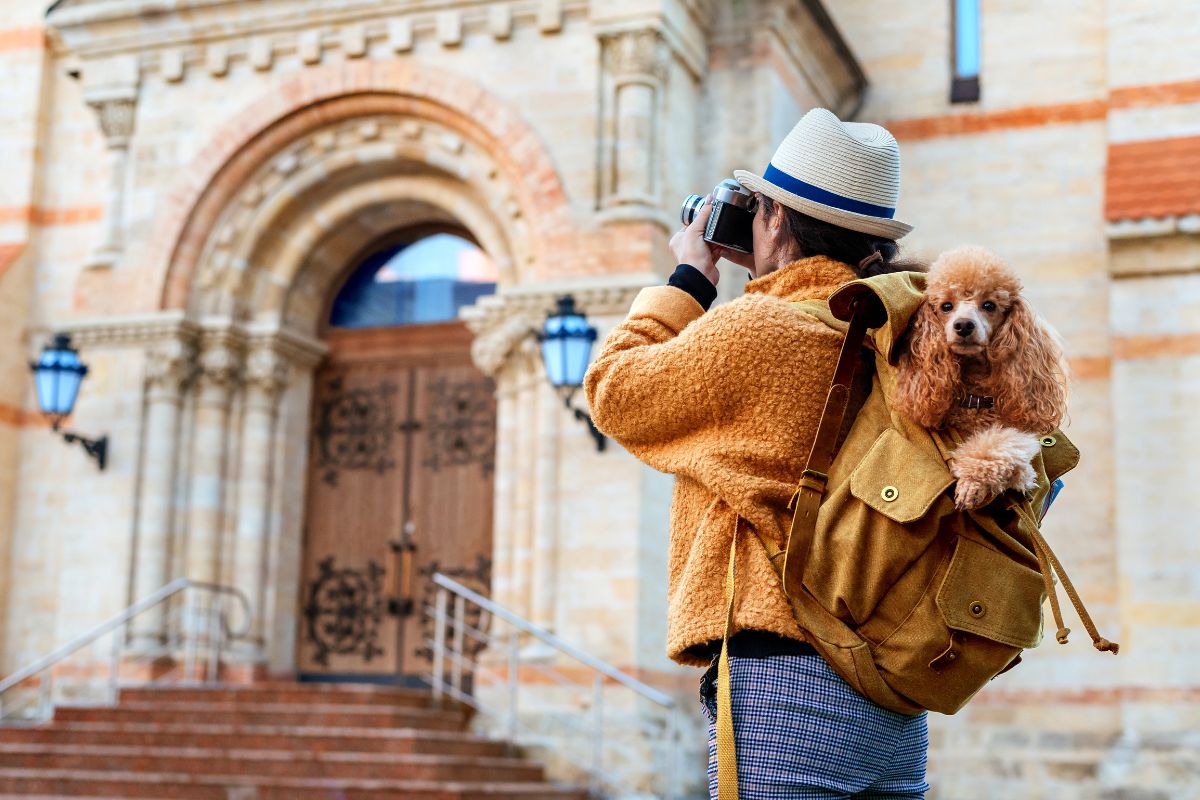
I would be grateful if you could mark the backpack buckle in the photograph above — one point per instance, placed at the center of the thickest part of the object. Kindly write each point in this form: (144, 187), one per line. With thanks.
(811, 479)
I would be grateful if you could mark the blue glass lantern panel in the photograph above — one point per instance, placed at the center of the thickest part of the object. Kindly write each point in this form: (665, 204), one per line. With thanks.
(58, 375)
(418, 283)
(567, 349)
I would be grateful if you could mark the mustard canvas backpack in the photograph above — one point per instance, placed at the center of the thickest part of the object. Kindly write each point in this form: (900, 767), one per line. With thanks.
(916, 604)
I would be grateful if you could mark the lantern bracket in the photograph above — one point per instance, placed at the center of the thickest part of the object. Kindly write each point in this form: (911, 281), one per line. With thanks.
(96, 448)
(586, 418)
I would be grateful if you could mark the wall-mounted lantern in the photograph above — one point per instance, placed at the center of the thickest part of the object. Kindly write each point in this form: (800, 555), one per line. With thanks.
(57, 376)
(567, 341)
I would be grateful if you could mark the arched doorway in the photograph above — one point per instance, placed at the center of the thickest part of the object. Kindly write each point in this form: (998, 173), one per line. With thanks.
(402, 452)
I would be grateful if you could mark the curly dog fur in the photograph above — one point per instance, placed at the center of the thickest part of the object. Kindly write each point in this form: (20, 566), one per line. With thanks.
(977, 336)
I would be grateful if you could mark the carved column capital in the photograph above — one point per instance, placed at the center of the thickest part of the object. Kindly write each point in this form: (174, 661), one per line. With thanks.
(498, 344)
(633, 54)
(220, 365)
(170, 367)
(266, 375)
(116, 115)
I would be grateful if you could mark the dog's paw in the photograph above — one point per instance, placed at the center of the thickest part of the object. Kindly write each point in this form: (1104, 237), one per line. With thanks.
(971, 494)
(996, 459)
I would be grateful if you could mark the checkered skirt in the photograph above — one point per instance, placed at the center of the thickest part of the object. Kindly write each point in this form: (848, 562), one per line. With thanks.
(803, 733)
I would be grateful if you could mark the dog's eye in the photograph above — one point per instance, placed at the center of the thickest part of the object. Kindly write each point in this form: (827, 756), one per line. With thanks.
(947, 307)
(989, 306)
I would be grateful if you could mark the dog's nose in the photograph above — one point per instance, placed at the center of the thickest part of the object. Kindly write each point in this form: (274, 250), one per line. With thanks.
(964, 327)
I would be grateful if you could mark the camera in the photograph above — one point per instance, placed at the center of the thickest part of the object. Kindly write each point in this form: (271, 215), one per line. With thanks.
(729, 225)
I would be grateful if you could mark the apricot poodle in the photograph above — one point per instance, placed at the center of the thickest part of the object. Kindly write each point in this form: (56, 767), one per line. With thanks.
(979, 360)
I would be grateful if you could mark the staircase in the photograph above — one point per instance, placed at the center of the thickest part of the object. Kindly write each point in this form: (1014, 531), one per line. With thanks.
(266, 741)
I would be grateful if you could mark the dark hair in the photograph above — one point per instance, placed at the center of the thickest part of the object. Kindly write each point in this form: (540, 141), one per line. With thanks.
(818, 238)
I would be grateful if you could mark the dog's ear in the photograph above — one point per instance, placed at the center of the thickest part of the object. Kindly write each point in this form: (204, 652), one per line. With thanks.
(928, 372)
(1029, 371)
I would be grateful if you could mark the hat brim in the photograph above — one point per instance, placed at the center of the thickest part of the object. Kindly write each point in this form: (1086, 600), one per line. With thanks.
(876, 226)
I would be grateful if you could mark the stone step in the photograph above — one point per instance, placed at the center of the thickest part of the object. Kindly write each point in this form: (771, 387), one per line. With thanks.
(267, 763)
(282, 693)
(280, 714)
(53, 797)
(176, 786)
(266, 737)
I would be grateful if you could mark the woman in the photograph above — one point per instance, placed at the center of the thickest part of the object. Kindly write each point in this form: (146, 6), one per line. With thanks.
(728, 401)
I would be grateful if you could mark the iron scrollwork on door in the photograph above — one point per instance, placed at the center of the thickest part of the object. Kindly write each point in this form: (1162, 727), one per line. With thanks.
(343, 611)
(354, 428)
(461, 424)
(477, 578)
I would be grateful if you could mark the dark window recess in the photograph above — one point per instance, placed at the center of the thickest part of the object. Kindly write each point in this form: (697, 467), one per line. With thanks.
(964, 55)
(964, 90)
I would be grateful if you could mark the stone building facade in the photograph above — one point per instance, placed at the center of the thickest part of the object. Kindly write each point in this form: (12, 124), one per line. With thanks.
(188, 184)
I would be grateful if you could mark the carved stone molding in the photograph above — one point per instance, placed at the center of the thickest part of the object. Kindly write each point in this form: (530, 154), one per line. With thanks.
(298, 350)
(435, 151)
(506, 325)
(203, 38)
(130, 331)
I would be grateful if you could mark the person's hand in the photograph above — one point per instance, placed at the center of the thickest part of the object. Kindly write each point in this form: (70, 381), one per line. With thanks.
(744, 260)
(689, 246)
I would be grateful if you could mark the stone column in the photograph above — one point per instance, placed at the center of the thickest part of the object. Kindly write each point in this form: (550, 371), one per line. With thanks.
(525, 490)
(544, 571)
(112, 94)
(169, 369)
(635, 72)
(220, 357)
(505, 349)
(246, 569)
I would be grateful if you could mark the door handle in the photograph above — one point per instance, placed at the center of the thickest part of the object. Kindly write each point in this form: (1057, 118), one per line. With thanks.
(400, 602)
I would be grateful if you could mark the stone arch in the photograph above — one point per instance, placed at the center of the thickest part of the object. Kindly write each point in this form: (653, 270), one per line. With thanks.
(281, 241)
(522, 187)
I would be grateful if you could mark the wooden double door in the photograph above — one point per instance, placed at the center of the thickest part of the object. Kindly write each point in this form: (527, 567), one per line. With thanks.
(401, 457)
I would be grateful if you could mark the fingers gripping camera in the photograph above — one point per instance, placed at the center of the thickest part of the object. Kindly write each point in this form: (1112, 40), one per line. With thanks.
(729, 224)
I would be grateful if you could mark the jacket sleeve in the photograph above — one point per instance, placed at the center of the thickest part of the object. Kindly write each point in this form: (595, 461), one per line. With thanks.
(648, 388)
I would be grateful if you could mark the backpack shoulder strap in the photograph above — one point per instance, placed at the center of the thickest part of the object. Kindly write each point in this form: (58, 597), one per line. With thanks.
(811, 489)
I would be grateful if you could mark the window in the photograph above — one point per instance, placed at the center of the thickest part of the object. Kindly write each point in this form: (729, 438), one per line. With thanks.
(964, 84)
(414, 283)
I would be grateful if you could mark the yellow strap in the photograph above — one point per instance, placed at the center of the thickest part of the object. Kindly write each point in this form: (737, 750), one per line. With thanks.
(727, 779)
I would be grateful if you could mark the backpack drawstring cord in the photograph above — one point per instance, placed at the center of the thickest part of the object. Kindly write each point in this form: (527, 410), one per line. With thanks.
(1046, 560)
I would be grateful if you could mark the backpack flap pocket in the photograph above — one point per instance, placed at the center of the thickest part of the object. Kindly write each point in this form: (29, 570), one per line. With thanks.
(993, 596)
(898, 479)
(1059, 455)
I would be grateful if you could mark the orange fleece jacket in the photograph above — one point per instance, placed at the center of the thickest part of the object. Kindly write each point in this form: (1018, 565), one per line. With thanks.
(729, 403)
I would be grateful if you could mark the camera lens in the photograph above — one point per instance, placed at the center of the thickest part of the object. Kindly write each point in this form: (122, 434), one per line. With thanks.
(691, 206)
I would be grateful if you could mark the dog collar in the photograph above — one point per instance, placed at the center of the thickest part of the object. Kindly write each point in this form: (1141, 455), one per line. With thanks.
(978, 401)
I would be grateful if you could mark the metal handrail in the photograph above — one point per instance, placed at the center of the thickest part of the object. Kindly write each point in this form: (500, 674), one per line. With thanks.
(83, 640)
(609, 671)
(454, 653)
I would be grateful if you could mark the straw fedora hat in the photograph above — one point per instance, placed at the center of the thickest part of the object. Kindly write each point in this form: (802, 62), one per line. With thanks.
(845, 173)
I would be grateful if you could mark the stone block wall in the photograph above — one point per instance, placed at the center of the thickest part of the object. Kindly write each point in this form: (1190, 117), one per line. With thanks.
(1023, 171)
